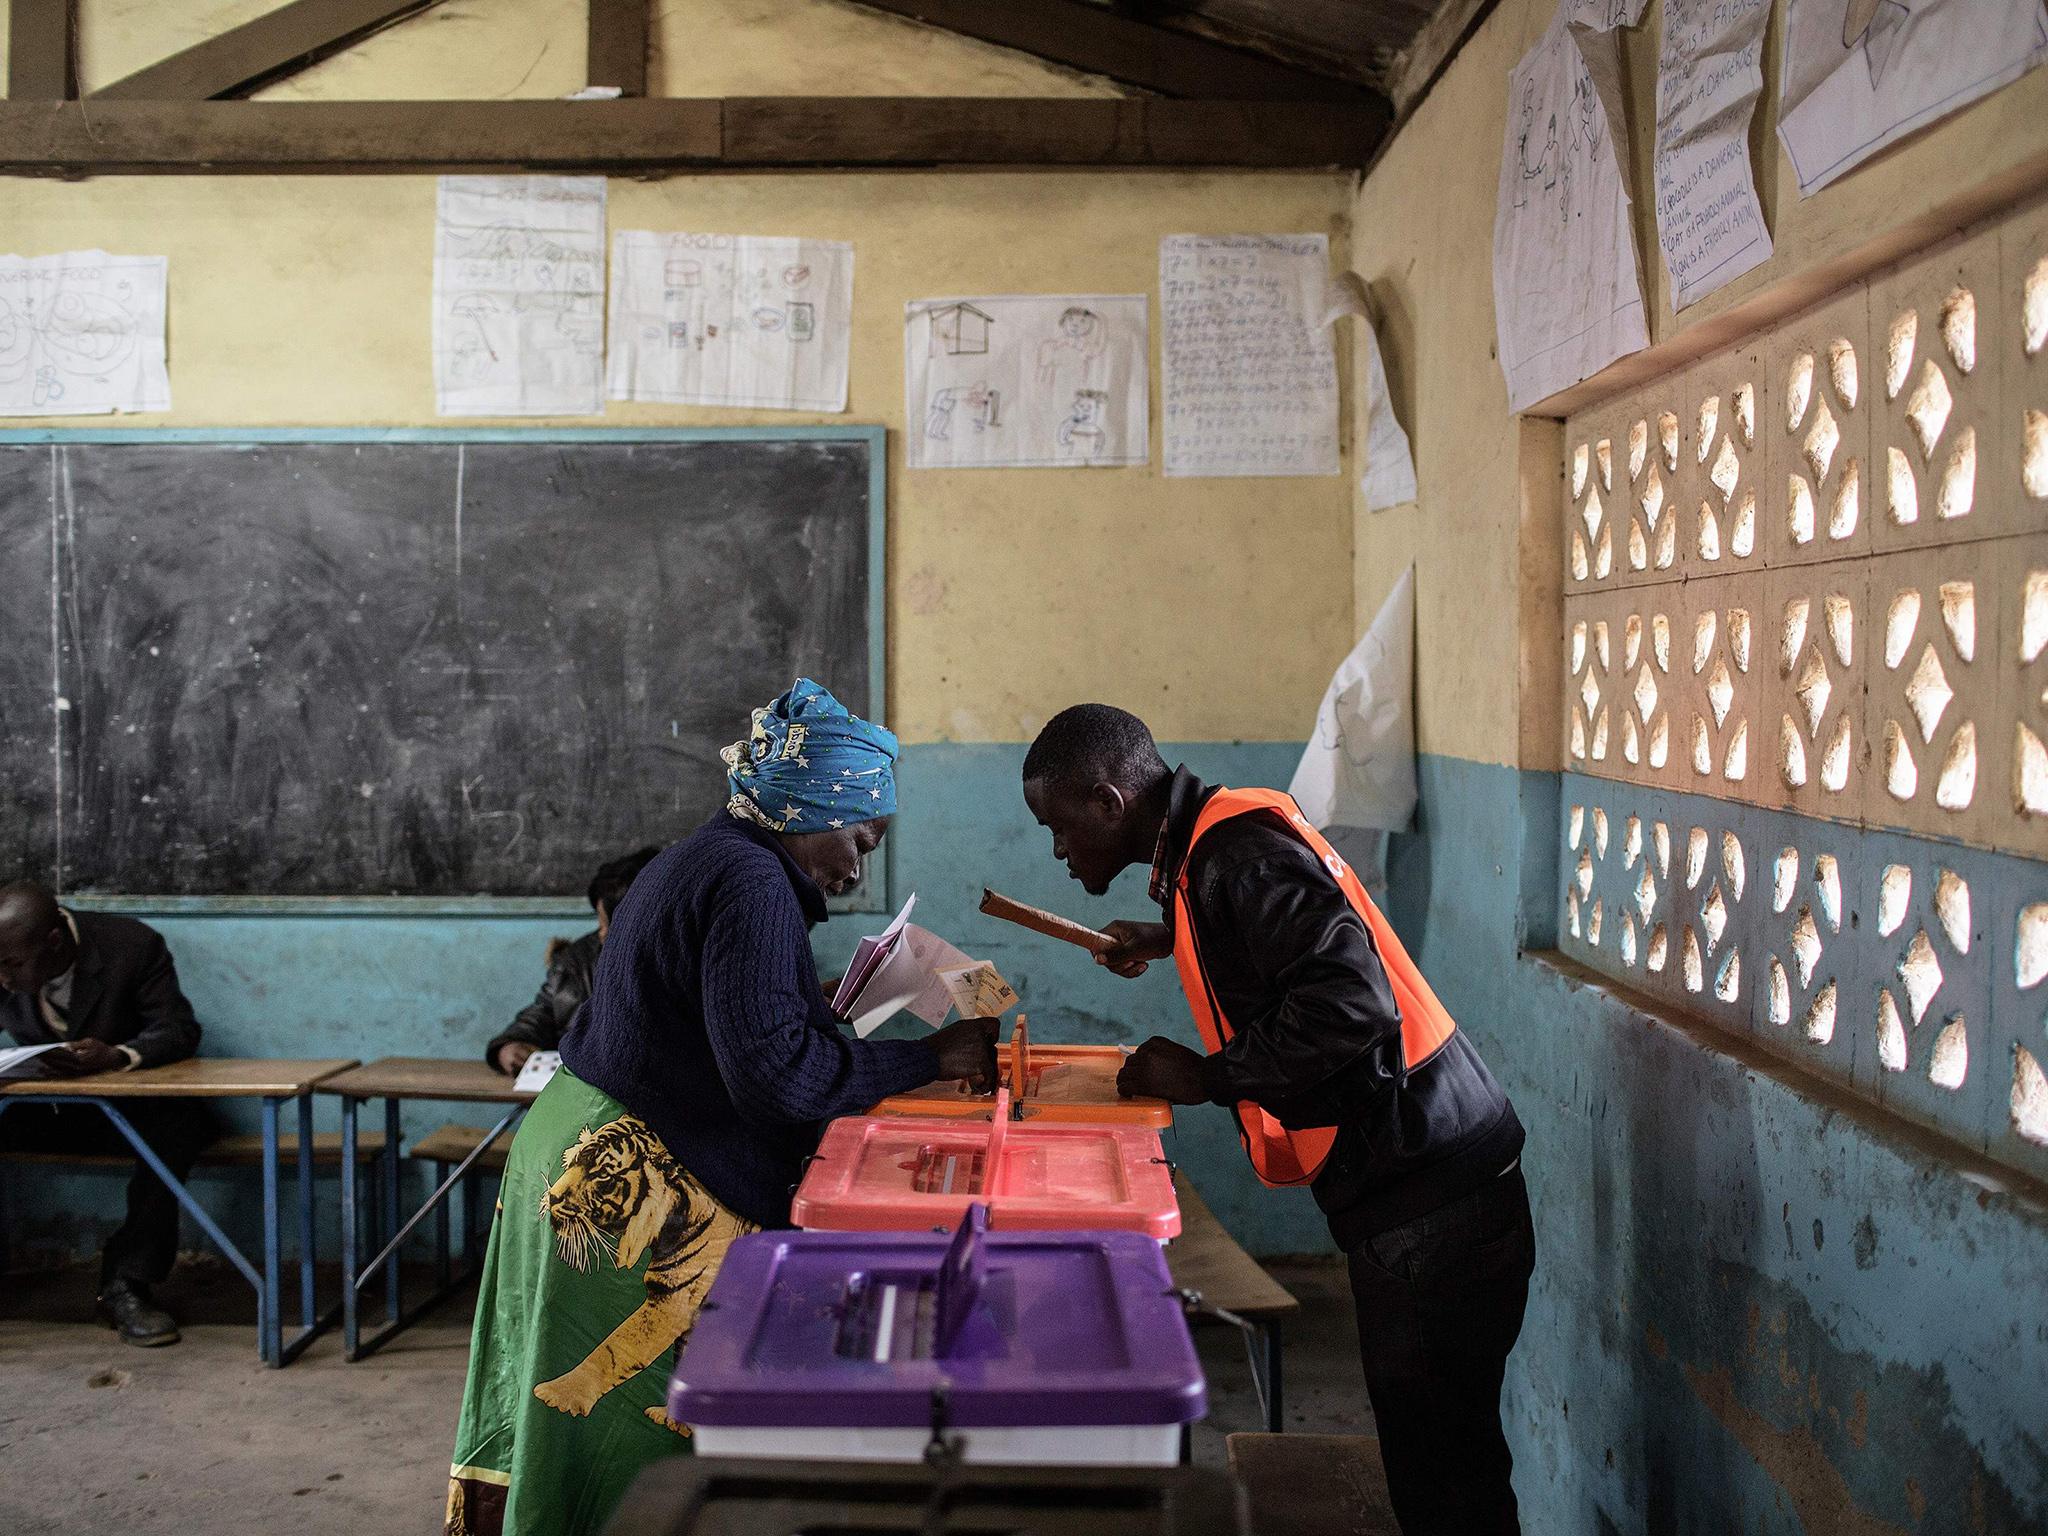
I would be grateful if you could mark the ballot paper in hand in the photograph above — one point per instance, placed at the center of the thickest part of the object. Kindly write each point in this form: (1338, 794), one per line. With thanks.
(979, 991)
(20, 1060)
(868, 954)
(907, 980)
(536, 1071)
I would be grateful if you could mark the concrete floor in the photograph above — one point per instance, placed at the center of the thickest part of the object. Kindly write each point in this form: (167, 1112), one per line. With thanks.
(95, 1435)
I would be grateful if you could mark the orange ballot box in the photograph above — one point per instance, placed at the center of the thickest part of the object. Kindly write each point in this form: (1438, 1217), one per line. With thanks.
(1046, 1082)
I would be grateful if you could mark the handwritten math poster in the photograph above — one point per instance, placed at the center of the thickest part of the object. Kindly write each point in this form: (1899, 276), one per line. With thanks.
(1026, 381)
(1249, 371)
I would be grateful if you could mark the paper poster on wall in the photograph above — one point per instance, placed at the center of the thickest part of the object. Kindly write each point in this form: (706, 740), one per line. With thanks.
(1248, 380)
(1709, 76)
(1859, 74)
(740, 320)
(1389, 478)
(82, 334)
(519, 296)
(1568, 298)
(1030, 380)
(1359, 767)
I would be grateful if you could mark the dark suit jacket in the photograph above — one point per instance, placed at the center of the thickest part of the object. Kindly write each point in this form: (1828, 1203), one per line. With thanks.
(125, 992)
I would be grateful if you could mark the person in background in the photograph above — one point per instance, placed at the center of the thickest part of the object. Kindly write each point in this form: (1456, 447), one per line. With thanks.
(571, 968)
(694, 1084)
(104, 987)
(1344, 1073)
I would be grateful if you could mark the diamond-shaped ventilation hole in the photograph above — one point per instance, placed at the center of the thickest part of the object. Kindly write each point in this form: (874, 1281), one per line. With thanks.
(1646, 895)
(1813, 689)
(1928, 408)
(1646, 693)
(1721, 692)
(1805, 946)
(1928, 694)
(1891, 1033)
(1822, 441)
(1714, 917)
(1920, 971)
(1589, 692)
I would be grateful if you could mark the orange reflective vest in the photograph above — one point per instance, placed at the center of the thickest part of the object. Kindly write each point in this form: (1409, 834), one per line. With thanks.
(1279, 1156)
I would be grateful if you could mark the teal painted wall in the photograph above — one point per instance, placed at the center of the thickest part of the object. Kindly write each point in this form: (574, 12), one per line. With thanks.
(440, 986)
(1756, 1307)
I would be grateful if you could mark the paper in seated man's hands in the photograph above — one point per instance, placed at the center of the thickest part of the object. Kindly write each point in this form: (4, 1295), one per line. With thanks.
(1163, 1069)
(512, 1056)
(1136, 944)
(83, 1058)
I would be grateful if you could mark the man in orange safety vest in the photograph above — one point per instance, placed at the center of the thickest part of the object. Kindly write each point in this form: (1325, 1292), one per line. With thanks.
(1344, 1072)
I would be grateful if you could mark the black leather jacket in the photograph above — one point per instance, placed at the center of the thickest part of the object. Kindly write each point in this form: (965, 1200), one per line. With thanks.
(1317, 1031)
(571, 970)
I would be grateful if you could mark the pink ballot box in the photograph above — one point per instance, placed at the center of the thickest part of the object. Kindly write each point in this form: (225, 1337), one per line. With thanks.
(1066, 1083)
(901, 1174)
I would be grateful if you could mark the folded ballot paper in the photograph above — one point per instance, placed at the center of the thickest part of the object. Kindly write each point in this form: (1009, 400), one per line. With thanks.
(905, 967)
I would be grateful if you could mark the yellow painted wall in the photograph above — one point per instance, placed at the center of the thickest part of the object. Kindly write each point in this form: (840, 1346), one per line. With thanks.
(1214, 607)
(1484, 531)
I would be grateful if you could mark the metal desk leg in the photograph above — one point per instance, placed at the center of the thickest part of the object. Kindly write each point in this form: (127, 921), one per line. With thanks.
(350, 1323)
(1276, 1420)
(269, 1320)
(444, 1257)
(391, 1107)
(307, 1318)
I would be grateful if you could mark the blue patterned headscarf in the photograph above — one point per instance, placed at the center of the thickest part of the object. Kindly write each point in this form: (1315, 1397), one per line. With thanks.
(810, 766)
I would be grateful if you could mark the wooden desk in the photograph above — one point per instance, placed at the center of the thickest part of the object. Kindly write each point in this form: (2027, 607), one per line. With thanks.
(1206, 1259)
(394, 1079)
(221, 1077)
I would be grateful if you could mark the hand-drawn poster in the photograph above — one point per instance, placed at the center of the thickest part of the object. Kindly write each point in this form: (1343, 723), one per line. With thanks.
(1030, 380)
(1568, 299)
(1248, 372)
(1859, 74)
(1709, 76)
(519, 296)
(82, 333)
(730, 320)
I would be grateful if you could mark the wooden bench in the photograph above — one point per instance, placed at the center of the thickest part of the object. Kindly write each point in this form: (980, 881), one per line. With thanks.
(1314, 1485)
(1207, 1259)
(452, 1143)
(240, 1150)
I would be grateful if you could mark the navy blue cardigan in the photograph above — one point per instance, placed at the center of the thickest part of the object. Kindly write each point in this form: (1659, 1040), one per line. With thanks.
(707, 1020)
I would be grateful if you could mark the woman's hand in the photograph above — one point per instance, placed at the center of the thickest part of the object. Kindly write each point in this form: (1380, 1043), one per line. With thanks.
(966, 1049)
(1136, 943)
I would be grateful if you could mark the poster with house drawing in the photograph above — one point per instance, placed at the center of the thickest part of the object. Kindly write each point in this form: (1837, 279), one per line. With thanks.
(519, 296)
(1028, 380)
(1860, 74)
(1567, 291)
(81, 334)
(739, 320)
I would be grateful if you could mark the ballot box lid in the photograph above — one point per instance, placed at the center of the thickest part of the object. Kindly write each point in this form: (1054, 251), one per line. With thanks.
(1062, 1083)
(891, 1174)
(901, 1330)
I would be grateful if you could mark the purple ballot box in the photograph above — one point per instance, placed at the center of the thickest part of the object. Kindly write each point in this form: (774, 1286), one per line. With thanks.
(1046, 1348)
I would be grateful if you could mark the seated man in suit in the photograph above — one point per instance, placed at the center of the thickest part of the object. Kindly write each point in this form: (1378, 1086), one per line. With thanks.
(572, 968)
(105, 987)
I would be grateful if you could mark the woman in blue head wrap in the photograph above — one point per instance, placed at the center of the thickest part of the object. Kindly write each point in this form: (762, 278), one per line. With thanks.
(695, 1082)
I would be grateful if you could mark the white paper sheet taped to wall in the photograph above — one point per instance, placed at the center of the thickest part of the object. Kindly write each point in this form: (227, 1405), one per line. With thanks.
(1709, 76)
(1359, 768)
(1860, 74)
(730, 320)
(82, 334)
(1389, 478)
(1248, 381)
(1026, 380)
(1567, 293)
(519, 296)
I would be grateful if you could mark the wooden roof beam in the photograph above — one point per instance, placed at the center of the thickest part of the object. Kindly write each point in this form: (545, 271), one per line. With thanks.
(618, 45)
(42, 64)
(1101, 41)
(274, 46)
(656, 136)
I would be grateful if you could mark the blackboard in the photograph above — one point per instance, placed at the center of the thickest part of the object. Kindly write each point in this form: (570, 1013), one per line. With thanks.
(421, 664)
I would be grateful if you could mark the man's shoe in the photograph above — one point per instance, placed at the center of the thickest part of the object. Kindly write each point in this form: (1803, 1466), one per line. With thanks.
(126, 1305)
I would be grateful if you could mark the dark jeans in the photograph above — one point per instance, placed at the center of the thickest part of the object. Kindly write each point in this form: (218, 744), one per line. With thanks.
(145, 1245)
(1440, 1304)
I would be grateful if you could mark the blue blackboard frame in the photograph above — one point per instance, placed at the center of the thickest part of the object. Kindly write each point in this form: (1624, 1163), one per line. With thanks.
(874, 894)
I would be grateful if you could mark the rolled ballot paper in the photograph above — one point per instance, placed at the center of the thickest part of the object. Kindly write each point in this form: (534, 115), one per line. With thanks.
(978, 990)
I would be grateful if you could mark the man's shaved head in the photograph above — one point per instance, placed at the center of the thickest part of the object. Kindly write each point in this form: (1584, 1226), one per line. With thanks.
(26, 909)
(1091, 744)
(35, 943)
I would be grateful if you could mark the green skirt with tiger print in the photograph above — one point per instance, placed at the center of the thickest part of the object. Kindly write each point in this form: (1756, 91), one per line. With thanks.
(602, 1249)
